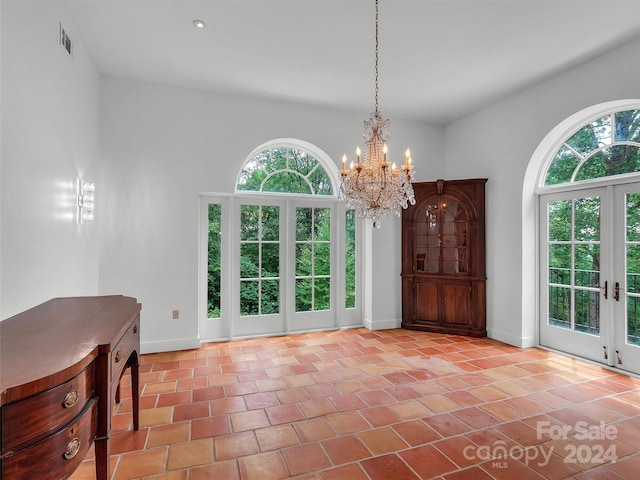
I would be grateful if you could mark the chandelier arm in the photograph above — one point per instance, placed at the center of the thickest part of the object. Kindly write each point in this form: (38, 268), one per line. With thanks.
(358, 184)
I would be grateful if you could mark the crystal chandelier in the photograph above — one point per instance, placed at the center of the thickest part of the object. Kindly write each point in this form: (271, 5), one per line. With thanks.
(375, 188)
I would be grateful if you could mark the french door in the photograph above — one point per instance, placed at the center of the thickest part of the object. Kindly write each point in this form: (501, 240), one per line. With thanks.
(259, 268)
(626, 287)
(312, 266)
(271, 265)
(590, 280)
(286, 272)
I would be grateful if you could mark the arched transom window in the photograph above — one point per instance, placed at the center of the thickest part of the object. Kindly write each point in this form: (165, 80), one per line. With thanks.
(284, 169)
(607, 146)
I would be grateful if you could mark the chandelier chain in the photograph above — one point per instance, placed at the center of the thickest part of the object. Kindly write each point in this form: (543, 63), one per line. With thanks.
(376, 55)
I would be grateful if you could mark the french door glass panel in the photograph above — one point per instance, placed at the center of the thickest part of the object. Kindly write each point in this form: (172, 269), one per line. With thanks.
(627, 281)
(214, 259)
(313, 267)
(259, 269)
(572, 251)
(259, 260)
(313, 259)
(350, 260)
(632, 244)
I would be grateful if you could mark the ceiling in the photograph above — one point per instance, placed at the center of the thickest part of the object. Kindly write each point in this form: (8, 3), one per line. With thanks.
(439, 60)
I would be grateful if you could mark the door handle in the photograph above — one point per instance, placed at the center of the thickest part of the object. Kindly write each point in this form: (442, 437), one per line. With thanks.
(616, 292)
(606, 288)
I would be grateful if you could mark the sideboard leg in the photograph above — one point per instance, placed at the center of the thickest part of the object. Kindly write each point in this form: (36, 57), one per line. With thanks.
(135, 394)
(102, 459)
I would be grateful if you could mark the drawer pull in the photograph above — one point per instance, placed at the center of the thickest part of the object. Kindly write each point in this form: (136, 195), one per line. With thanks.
(71, 398)
(118, 356)
(73, 447)
(135, 329)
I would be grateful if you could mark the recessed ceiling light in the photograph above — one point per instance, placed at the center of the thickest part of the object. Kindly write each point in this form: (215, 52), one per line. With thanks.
(199, 24)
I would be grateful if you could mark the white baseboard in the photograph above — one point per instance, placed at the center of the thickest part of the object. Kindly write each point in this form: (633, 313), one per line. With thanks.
(520, 342)
(381, 324)
(193, 343)
(169, 345)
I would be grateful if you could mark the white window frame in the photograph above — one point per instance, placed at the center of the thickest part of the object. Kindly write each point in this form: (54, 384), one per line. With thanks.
(222, 329)
(533, 187)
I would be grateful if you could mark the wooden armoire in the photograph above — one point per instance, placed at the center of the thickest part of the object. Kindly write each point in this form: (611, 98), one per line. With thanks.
(443, 258)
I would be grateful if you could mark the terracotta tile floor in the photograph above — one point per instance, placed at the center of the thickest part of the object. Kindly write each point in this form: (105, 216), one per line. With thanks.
(381, 405)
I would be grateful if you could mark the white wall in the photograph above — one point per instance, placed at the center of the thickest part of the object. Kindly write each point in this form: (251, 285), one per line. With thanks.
(498, 143)
(50, 136)
(163, 145)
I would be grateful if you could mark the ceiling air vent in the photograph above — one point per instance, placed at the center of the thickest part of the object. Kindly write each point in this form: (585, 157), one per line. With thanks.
(65, 41)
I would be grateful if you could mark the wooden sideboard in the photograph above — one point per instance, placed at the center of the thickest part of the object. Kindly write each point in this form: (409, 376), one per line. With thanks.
(60, 369)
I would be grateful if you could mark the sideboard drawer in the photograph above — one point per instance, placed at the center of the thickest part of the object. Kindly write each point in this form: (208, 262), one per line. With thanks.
(57, 456)
(124, 347)
(38, 416)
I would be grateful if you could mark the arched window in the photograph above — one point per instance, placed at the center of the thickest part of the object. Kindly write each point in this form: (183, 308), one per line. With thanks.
(285, 169)
(589, 237)
(282, 251)
(607, 146)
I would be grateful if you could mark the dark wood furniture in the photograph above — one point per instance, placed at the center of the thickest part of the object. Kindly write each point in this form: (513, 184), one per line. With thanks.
(443, 258)
(60, 369)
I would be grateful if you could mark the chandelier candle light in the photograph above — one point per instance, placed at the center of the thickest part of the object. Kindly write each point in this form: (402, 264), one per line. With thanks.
(374, 188)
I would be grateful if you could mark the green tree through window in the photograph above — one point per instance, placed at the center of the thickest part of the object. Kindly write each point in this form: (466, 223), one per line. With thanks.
(259, 260)
(607, 146)
(284, 170)
(214, 270)
(313, 259)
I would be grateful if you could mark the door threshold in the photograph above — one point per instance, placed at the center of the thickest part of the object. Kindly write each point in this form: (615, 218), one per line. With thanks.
(592, 362)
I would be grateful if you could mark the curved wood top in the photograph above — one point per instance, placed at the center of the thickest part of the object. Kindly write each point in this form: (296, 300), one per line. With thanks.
(48, 344)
